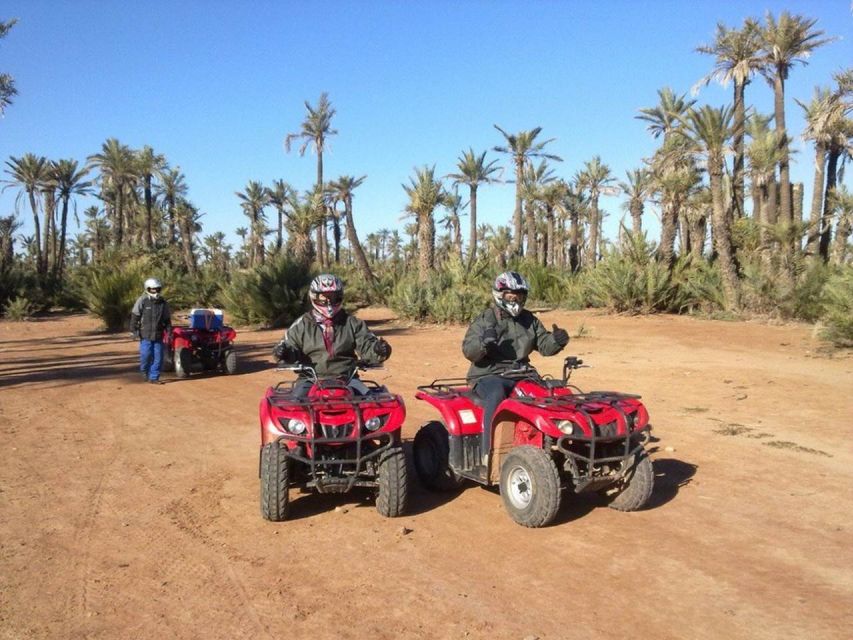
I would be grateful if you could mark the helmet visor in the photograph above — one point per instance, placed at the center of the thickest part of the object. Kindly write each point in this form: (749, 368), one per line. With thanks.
(329, 298)
(519, 296)
(154, 289)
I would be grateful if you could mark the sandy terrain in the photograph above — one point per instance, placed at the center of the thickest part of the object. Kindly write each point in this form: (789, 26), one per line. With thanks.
(131, 511)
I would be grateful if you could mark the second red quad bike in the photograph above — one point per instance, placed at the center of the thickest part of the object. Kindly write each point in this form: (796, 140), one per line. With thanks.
(548, 436)
(330, 441)
(204, 345)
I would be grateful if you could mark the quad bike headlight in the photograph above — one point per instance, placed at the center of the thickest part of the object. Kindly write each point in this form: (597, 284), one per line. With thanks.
(372, 424)
(296, 427)
(566, 426)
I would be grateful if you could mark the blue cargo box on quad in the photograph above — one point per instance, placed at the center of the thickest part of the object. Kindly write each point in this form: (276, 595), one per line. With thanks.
(210, 319)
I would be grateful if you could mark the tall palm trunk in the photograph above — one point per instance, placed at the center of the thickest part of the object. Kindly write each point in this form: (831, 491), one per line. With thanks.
(834, 154)
(595, 215)
(472, 233)
(119, 217)
(517, 231)
(355, 245)
(530, 223)
(723, 238)
(149, 205)
(48, 254)
(36, 228)
(842, 232)
(636, 209)
(816, 220)
(785, 208)
(426, 247)
(59, 266)
(550, 234)
(574, 241)
(668, 229)
(738, 168)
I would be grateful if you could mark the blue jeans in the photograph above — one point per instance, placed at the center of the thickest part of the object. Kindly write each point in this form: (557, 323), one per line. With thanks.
(151, 358)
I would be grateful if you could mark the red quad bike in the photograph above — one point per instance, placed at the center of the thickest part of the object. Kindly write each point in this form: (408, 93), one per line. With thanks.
(331, 441)
(205, 345)
(552, 436)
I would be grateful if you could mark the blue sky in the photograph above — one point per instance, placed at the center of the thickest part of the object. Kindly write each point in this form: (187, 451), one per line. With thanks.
(216, 86)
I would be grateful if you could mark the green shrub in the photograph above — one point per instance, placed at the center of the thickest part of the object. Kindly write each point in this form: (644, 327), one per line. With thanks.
(272, 295)
(112, 287)
(837, 304)
(18, 309)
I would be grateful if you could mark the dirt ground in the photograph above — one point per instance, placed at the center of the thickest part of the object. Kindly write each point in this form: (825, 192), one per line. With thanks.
(131, 511)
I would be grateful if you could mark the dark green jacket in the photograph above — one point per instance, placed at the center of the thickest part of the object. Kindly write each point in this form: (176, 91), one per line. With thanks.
(351, 337)
(517, 338)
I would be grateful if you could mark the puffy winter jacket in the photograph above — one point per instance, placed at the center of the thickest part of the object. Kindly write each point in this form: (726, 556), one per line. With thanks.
(518, 337)
(351, 337)
(150, 316)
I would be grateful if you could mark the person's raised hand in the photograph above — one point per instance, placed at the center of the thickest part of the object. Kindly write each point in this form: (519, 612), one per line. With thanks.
(561, 336)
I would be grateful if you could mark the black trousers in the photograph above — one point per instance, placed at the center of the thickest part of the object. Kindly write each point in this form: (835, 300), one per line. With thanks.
(492, 390)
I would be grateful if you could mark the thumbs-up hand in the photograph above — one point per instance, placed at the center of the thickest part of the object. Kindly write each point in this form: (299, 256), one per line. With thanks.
(561, 336)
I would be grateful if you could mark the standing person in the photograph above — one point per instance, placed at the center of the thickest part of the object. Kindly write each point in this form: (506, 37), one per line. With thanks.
(148, 319)
(499, 339)
(329, 339)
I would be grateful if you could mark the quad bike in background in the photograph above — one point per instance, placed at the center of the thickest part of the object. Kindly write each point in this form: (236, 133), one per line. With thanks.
(550, 436)
(203, 345)
(330, 441)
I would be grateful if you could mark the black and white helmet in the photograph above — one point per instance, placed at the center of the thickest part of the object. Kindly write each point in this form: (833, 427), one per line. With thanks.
(510, 282)
(326, 294)
(153, 287)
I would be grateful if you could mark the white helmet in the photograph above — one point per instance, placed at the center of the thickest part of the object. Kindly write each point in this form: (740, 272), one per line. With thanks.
(153, 287)
(331, 289)
(510, 282)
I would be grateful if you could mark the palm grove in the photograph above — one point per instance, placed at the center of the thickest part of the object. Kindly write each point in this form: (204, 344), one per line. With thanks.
(736, 235)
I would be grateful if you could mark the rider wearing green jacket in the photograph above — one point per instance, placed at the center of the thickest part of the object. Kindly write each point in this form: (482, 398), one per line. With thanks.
(328, 338)
(501, 338)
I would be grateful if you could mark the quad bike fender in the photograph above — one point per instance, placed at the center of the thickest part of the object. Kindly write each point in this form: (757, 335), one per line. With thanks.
(461, 417)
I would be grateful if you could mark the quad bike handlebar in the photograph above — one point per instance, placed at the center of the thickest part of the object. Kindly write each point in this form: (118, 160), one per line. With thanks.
(311, 373)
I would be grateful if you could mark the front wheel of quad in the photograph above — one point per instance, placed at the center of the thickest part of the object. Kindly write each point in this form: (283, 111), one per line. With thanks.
(182, 363)
(633, 491)
(530, 486)
(393, 483)
(230, 363)
(275, 467)
(431, 453)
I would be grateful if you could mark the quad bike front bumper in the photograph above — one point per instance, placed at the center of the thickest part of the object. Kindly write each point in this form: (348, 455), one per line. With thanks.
(600, 460)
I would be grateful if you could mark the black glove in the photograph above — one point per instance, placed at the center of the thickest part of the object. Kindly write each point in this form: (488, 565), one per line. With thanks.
(490, 339)
(561, 336)
(282, 351)
(382, 349)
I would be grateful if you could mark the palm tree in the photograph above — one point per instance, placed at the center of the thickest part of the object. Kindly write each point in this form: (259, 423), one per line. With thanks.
(474, 171)
(280, 196)
(737, 59)
(840, 133)
(342, 190)
(8, 226)
(27, 173)
(453, 220)
(70, 182)
(784, 43)
(821, 115)
(638, 187)
(148, 164)
(595, 178)
(425, 194)
(521, 147)
(303, 215)
(97, 231)
(313, 132)
(709, 131)
(552, 197)
(254, 198)
(7, 83)
(118, 169)
(663, 118)
(186, 217)
(534, 180)
(172, 187)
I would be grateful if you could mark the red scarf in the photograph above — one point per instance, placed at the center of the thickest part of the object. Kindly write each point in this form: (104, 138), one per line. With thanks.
(328, 327)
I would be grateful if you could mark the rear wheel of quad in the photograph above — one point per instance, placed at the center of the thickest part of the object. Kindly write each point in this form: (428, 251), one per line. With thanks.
(431, 453)
(393, 481)
(275, 467)
(230, 363)
(182, 363)
(634, 490)
(530, 486)
(168, 360)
